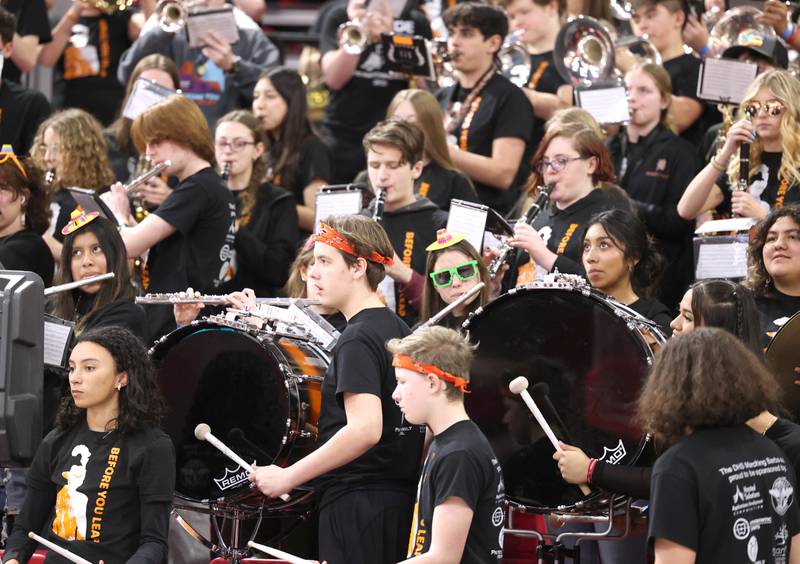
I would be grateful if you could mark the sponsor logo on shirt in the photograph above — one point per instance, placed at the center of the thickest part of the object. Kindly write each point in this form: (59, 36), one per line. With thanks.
(782, 495)
(745, 499)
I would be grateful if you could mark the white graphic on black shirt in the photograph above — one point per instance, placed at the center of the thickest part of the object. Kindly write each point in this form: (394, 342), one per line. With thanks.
(752, 549)
(545, 233)
(70, 519)
(782, 495)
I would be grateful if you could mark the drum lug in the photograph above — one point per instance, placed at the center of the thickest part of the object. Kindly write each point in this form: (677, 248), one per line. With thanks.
(307, 378)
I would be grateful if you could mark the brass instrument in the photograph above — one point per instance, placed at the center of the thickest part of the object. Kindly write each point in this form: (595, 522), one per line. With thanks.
(317, 94)
(515, 61)
(144, 177)
(353, 37)
(110, 6)
(584, 52)
(172, 14)
(443, 63)
(736, 27)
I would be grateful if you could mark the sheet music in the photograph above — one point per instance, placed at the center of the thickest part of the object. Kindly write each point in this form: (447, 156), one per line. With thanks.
(57, 334)
(731, 224)
(144, 95)
(221, 21)
(607, 105)
(725, 80)
(722, 260)
(336, 203)
(468, 221)
(386, 287)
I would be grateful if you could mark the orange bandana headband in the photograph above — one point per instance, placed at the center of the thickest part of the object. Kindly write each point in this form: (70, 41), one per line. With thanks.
(330, 236)
(405, 361)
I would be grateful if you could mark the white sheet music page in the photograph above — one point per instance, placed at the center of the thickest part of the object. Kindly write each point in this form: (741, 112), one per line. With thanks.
(726, 260)
(607, 105)
(56, 340)
(144, 95)
(220, 20)
(468, 221)
(336, 203)
(725, 80)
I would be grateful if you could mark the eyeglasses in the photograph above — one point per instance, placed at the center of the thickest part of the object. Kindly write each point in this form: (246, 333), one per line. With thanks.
(773, 108)
(235, 145)
(557, 164)
(465, 271)
(7, 153)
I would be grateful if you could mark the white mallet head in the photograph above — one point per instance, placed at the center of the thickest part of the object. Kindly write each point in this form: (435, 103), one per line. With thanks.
(203, 429)
(517, 386)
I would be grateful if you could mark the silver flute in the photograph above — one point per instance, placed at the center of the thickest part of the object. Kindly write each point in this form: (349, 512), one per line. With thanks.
(535, 209)
(144, 177)
(451, 306)
(171, 298)
(77, 283)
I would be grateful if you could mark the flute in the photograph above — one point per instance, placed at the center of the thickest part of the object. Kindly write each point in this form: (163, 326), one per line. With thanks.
(451, 306)
(144, 177)
(58, 550)
(77, 283)
(171, 298)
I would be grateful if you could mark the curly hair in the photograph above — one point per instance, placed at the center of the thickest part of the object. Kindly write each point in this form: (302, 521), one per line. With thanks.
(786, 89)
(141, 404)
(705, 378)
(37, 200)
(630, 235)
(730, 306)
(83, 150)
(432, 302)
(252, 123)
(118, 289)
(758, 279)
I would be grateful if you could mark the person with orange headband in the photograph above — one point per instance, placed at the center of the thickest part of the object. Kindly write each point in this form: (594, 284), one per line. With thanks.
(366, 464)
(458, 516)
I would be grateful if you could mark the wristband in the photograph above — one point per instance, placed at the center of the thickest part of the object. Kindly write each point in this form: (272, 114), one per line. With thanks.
(704, 51)
(590, 470)
(789, 31)
(717, 165)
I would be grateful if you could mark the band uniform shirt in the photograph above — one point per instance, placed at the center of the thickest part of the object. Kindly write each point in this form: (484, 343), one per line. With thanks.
(501, 110)
(543, 78)
(461, 463)
(32, 19)
(26, 250)
(786, 434)
(441, 185)
(21, 112)
(362, 365)
(774, 310)
(201, 209)
(764, 186)
(100, 495)
(728, 494)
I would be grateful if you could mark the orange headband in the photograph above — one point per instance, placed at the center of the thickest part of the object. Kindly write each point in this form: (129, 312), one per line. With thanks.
(330, 236)
(405, 361)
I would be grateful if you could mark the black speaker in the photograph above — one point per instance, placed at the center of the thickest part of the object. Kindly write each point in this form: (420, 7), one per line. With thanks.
(21, 365)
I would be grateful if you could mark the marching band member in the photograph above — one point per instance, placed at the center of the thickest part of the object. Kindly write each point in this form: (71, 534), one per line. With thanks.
(654, 166)
(620, 259)
(774, 138)
(488, 118)
(102, 481)
(453, 268)
(366, 462)
(461, 489)
(190, 235)
(266, 214)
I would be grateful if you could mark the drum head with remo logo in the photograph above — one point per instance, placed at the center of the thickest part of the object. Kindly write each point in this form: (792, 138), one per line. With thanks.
(783, 355)
(580, 352)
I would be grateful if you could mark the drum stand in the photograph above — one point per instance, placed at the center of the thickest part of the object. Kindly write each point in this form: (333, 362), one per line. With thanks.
(551, 549)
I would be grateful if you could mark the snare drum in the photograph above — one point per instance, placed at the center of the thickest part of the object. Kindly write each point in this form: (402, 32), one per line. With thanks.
(259, 393)
(585, 357)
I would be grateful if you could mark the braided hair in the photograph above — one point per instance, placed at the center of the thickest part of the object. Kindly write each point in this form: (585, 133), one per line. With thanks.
(730, 306)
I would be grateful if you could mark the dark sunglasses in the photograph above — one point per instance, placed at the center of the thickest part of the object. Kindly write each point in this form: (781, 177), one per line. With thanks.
(772, 108)
(465, 271)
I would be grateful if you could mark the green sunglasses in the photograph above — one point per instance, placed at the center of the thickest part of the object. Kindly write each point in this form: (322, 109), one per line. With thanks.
(465, 271)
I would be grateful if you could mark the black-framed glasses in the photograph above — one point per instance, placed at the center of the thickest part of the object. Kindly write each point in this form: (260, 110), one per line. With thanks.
(465, 271)
(234, 145)
(771, 108)
(557, 164)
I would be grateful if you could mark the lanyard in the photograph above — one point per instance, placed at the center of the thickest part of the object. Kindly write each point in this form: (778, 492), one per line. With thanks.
(457, 113)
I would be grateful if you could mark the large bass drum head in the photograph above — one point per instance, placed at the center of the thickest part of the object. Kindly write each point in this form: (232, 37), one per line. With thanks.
(229, 380)
(579, 355)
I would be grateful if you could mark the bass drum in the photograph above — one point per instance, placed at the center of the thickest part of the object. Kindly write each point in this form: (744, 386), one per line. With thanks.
(585, 358)
(260, 395)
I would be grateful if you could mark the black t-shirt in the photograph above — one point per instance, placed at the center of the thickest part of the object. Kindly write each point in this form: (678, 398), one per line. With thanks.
(31, 20)
(26, 250)
(440, 185)
(786, 434)
(774, 310)
(21, 112)
(100, 495)
(543, 78)
(125, 314)
(764, 186)
(362, 365)
(501, 110)
(685, 73)
(197, 255)
(315, 162)
(654, 310)
(728, 494)
(461, 464)
(89, 64)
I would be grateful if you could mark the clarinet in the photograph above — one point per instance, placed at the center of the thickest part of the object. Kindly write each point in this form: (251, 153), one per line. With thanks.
(744, 166)
(226, 172)
(529, 218)
(49, 177)
(380, 202)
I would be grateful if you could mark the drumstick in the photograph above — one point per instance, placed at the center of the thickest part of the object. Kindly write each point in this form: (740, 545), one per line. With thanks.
(290, 558)
(519, 386)
(203, 433)
(58, 550)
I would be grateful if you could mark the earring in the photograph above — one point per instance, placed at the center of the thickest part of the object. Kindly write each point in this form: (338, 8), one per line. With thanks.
(119, 387)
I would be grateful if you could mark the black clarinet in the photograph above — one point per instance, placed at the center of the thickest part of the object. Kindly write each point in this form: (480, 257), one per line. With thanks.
(533, 212)
(226, 172)
(380, 202)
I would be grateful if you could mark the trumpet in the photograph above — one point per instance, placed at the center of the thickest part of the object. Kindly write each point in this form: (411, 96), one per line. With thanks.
(144, 177)
(353, 37)
(172, 14)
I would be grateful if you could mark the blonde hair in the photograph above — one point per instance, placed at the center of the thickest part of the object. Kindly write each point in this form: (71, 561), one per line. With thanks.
(445, 348)
(296, 286)
(663, 83)
(574, 117)
(82, 150)
(175, 119)
(430, 120)
(786, 90)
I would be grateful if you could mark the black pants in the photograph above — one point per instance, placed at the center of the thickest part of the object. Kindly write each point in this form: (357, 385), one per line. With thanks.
(365, 527)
